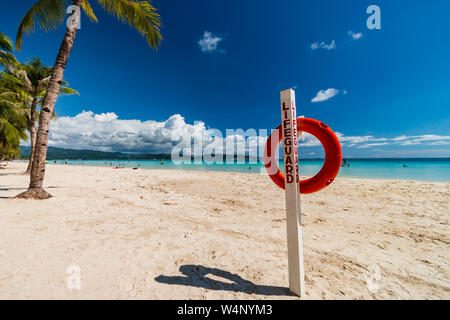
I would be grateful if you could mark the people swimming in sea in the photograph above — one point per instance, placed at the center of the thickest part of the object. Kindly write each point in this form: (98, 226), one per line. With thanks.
(405, 166)
(162, 162)
(345, 163)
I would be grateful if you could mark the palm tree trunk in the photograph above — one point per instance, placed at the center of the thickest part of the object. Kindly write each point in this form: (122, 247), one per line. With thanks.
(32, 133)
(35, 189)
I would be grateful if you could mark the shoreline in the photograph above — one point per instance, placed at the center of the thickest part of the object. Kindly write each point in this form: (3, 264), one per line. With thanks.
(174, 234)
(246, 172)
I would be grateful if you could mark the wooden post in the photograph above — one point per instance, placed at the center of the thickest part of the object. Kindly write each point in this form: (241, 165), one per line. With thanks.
(294, 231)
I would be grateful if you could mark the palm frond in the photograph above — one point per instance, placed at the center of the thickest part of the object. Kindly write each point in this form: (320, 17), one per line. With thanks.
(6, 43)
(10, 134)
(7, 59)
(47, 14)
(12, 79)
(86, 6)
(140, 15)
(9, 95)
(68, 91)
(43, 83)
(23, 77)
(8, 107)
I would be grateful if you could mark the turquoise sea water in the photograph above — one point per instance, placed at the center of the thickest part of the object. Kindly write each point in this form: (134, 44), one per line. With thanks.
(417, 169)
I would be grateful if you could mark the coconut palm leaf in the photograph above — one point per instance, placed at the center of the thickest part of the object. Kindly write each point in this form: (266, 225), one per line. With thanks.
(140, 15)
(9, 135)
(48, 14)
(68, 91)
(12, 124)
(87, 9)
(12, 79)
(23, 77)
(6, 43)
(7, 59)
(44, 82)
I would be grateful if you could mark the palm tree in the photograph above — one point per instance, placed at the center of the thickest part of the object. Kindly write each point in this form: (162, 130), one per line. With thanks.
(13, 123)
(6, 48)
(49, 13)
(12, 111)
(32, 79)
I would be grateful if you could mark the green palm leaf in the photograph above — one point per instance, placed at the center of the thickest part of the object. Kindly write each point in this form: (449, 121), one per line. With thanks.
(85, 5)
(6, 43)
(12, 79)
(8, 133)
(6, 47)
(140, 15)
(47, 14)
(7, 58)
(68, 91)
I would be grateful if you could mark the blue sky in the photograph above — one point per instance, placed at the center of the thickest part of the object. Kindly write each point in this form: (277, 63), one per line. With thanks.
(388, 89)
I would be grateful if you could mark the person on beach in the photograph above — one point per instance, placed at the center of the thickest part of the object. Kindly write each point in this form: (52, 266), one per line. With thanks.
(345, 163)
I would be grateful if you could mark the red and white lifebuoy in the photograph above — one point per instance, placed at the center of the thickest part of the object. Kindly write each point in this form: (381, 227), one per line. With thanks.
(333, 156)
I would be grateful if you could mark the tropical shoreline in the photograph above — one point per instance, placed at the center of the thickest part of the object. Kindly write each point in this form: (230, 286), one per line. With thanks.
(426, 170)
(139, 234)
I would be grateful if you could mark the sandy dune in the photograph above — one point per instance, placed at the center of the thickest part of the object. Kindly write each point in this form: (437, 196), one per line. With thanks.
(160, 234)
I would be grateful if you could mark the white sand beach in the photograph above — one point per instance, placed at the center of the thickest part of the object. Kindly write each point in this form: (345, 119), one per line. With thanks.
(166, 234)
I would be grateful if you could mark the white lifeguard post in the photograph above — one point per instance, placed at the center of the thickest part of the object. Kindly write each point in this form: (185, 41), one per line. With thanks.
(292, 193)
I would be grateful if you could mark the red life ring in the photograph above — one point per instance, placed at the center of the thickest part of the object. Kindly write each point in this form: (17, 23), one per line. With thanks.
(333, 156)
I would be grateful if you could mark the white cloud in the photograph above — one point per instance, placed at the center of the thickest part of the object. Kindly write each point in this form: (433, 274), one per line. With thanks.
(308, 140)
(370, 145)
(324, 95)
(354, 35)
(106, 132)
(363, 142)
(408, 143)
(439, 143)
(369, 141)
(209, 42)
(431, 139)
(358, 139)
(106, 116)
(323, 45)
(400, 138)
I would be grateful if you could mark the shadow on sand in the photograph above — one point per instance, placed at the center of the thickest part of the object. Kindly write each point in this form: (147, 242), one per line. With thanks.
(196, 276)
(5, 188)
(11, 174)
